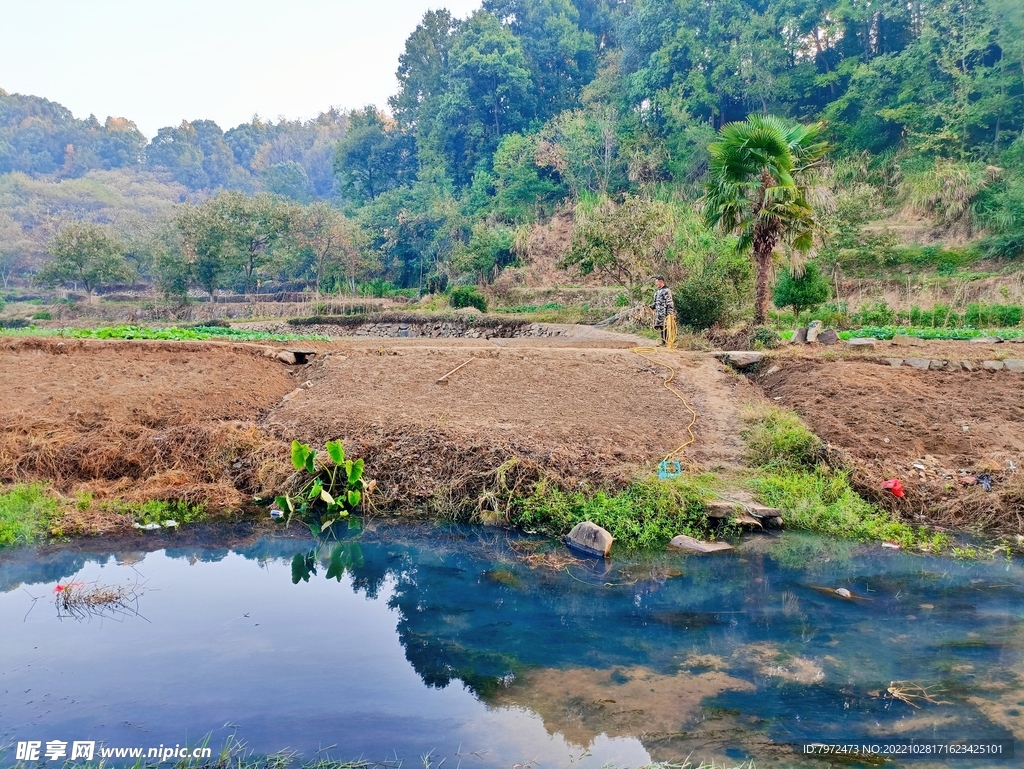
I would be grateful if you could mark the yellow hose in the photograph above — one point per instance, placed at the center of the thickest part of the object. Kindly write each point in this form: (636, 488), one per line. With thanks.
(645, 353)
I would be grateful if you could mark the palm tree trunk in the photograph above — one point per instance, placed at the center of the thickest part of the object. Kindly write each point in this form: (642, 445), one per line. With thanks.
(764, 245)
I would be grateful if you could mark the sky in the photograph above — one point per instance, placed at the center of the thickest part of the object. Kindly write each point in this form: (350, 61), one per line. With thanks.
(158, 63)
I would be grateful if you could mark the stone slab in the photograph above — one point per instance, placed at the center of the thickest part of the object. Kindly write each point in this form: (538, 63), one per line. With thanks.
(992, 365)
(683, 542)
(894, 362)
(799, 336)
(918, 363)
(862, 343)
(1016, 365)
(741, 359)
(721, 509)
(908, 341)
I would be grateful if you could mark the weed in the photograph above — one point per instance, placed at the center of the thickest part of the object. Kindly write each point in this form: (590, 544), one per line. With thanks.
(812, 495)
(647, 513)
(333, 490)
(157, 510)
(777, 438)
(25, 513)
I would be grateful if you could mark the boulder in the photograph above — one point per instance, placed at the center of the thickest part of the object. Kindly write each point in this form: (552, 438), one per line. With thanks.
(590, 538)
(918, 363)
(287, 356)
(719, 508)
(908, 341)
(683, 542)
(992, 365)
(799, 336)
(862, 343)
(936, 365)
(1016, 365)
(741, 359)
(828, 336)
(813, 330)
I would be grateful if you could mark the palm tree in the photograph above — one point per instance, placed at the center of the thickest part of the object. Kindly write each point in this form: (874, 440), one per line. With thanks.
(761, 186)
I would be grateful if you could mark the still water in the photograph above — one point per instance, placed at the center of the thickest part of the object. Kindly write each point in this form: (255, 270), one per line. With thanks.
(487, 649)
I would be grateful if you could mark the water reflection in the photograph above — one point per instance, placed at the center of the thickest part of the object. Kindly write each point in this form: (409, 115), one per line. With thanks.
(653, 658)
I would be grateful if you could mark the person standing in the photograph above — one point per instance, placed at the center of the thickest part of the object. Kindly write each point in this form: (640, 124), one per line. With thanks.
(663, 308)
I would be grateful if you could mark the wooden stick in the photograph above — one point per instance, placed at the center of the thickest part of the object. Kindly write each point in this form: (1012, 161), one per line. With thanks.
(441, 380)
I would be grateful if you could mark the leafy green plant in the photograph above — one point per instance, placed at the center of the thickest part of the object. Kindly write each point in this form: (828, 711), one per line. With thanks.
(42, 315)
(26, 511)
(174, 334)
(335, 488)
(467, 296)
(801, 292)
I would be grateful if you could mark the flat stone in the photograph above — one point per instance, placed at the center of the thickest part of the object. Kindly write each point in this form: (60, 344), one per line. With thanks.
(799, 336)
(719, 508)
(828, 336)
(908, 341)
(741, 358)
(992, 365)
(894, 362)
(918, 363)
(590, 538)
(745, 519)
(862, 343)
(985, 340)
(683, 542)
(1016, 365)
(967, 365)
(936, 365)
(951, 365)
(761, 511)
(813, 330)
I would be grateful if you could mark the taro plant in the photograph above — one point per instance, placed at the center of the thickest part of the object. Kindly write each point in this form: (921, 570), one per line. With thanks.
(335, 486)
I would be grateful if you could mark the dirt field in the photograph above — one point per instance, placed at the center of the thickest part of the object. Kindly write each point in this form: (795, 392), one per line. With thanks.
(207, 421)
(886, 420)
(212, 422)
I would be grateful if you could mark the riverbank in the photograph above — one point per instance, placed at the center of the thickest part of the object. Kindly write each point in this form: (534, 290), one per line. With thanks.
(530, 431)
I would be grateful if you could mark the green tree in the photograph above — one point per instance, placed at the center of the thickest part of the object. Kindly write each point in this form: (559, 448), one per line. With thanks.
(333, 243)
(375, 156)
(251, 227)
(84, 253)
(761, 185)
(625, 244)
(801, 291)
(205, 261)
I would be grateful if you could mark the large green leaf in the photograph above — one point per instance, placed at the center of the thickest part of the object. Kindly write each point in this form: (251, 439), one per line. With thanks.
(300, 454)
(335, 451)
(353, 498)
(355, 472)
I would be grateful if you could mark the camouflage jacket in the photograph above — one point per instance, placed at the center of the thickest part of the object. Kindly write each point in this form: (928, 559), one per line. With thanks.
(663, 305)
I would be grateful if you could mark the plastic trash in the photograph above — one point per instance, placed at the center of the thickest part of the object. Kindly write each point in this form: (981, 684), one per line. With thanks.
(895, 485)
(669, 469)
(275, 513)
(985, 480)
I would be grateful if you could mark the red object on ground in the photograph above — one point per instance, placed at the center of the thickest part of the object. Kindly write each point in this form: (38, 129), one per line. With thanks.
(895, 486)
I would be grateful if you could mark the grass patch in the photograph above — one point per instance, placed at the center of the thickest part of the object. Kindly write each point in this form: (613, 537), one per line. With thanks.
(793, 476)
(26, 511)
(647, 513)
(156, 510)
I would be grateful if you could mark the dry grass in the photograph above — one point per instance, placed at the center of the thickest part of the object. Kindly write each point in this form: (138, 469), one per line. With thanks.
(82, 600)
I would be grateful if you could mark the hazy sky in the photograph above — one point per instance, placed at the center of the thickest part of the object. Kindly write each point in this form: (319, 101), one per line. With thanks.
(160, 62)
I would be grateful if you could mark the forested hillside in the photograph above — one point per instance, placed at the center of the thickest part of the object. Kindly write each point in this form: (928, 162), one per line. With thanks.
(532, 106)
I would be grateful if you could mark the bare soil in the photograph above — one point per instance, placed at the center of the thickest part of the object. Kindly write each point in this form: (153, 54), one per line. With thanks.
(212, 422)
(886, 420)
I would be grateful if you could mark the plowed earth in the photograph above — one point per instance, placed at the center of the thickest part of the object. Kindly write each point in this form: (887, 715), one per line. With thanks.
(212, 422)
(887, 420)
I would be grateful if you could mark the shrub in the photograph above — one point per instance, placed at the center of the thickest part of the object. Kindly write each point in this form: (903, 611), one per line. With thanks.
(701, 304)
(42, 315)
(765, 337)
(467, 296)
(802, 292)
(876, 314)
(993, 315)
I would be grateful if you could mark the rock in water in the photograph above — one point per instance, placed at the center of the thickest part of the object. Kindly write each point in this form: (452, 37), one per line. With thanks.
(683, 542)
(828, 336)
(590, 538)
